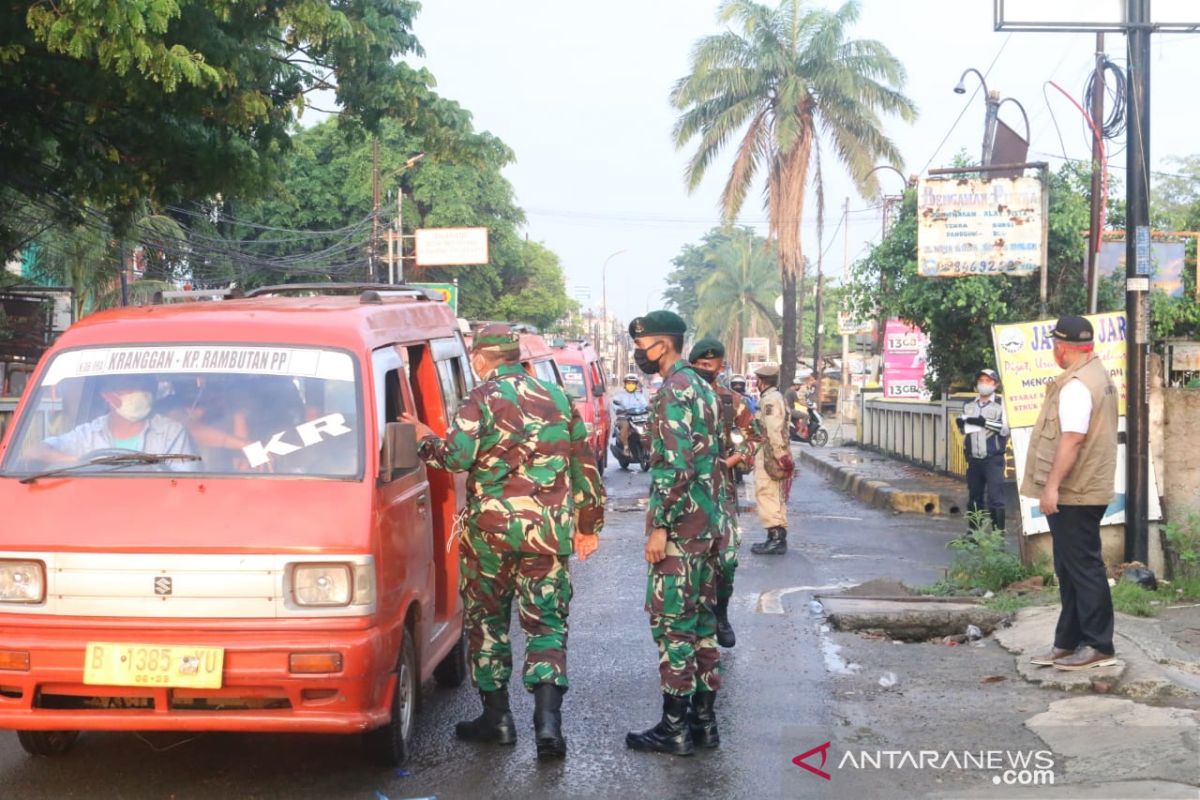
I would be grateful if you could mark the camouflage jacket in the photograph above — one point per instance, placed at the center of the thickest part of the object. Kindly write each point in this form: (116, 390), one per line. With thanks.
(736, 416)
(530, 471)
(686, 487)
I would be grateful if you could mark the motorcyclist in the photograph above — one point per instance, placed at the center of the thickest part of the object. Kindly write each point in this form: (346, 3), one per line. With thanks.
(629, 402)
(738, 384)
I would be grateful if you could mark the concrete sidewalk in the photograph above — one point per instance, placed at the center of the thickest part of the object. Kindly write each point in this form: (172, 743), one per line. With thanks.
(886, 483)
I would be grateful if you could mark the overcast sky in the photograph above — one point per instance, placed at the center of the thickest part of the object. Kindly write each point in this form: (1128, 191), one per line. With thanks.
(580, 92)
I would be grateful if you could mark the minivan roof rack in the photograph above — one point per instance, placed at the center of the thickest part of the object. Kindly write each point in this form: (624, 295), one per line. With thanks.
(367, 292)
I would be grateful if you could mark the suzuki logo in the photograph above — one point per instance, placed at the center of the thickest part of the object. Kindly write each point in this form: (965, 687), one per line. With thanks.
(162, 585)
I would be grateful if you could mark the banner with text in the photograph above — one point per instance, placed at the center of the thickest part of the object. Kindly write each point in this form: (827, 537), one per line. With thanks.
(980, 226)
(1025, 359)
(904, 361)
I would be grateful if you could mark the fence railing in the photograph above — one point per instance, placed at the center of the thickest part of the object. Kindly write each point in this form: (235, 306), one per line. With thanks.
(923, 433)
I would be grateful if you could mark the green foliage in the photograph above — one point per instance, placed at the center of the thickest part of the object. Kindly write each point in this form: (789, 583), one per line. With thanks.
(1129, 598)
(1183, 536)
(957, 313)
(1010, 603)
(326, 184)
(983, 561)
(118, 103)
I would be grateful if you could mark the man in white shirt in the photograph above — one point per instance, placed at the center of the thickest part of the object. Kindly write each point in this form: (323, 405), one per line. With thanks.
(1070, 470)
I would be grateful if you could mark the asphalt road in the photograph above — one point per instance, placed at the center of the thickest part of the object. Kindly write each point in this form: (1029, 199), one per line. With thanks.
(779, 695)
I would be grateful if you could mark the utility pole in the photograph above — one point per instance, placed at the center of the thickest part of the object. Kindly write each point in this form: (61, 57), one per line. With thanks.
(989, 126)
(1137, 285)
(1097, 224)
(374, 208)
(397, 275)
(124, 276)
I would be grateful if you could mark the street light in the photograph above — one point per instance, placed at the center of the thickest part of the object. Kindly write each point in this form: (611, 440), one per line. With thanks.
(993, 100)
(604, 282)
(989, 122)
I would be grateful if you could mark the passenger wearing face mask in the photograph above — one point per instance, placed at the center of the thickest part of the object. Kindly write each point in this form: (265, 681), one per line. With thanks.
(985, 438)
(130, 424)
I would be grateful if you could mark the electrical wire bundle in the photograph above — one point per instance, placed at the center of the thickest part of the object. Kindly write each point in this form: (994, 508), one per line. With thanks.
(1114, 120)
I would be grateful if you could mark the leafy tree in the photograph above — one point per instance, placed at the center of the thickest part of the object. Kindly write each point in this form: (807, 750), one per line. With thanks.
(327, 183)
(782, 79)
(736, 296)
(121, 102)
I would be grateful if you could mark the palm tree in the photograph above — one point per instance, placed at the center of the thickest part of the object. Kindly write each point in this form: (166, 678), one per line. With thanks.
(784, 77)
(734, 300)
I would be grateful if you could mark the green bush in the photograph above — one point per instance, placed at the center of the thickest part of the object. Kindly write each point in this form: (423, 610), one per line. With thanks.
(1184, 537)
(983, 561)
(1129, 598)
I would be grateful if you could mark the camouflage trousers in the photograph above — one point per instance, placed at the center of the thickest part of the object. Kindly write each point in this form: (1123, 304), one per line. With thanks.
(490, 578)
(681, 591)
(730, 541)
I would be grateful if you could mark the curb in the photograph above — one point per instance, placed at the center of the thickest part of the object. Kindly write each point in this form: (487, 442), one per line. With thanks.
(875, 492)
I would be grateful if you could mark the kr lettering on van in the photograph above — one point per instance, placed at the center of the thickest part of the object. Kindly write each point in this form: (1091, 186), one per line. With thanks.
(286, 442)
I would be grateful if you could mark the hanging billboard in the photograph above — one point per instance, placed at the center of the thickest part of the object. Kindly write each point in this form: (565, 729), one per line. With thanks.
(981, 226)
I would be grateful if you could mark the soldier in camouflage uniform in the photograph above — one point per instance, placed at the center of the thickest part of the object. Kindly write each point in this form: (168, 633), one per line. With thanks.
(685, 518)
(739, 439)
(530, 481)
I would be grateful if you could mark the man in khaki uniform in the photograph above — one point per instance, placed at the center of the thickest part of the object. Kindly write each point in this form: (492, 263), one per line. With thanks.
(1070, 468)
(773, 468)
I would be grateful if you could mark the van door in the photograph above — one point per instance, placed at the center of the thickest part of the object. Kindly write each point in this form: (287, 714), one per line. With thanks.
(437, 372)
(406, 540)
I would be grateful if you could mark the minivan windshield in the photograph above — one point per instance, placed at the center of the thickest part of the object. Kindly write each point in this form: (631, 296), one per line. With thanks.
(199, 408)
(572, 375)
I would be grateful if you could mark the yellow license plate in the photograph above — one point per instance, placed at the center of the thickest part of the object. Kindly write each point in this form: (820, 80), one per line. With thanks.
(149, 665)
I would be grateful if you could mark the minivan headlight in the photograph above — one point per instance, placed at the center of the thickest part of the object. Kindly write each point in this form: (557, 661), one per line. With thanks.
(22, 581)
(322, 584)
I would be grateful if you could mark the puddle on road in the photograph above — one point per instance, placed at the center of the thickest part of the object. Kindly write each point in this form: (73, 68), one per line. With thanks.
(833, 660)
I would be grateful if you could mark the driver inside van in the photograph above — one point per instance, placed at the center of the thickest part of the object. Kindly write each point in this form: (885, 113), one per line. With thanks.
(129, 424)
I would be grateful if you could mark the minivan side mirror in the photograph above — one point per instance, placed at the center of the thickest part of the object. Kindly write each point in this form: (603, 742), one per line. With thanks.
(598, 390)
(399, 450)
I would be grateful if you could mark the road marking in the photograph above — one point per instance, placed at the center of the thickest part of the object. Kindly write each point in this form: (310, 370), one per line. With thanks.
(772, 602)
(832, 516)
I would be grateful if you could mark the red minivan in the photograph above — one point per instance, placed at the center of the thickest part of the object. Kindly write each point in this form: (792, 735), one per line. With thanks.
(214, 521)
(586, 382)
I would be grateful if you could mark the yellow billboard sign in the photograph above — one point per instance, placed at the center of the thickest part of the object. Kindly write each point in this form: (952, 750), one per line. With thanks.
(1025, 359)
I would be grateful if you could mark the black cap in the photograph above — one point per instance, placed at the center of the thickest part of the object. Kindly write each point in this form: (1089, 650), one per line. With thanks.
(1073, 329)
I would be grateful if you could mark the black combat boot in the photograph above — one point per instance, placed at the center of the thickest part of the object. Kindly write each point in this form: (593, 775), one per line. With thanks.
(495, 724)
(761, 547)
(702, 720)
(997, 519)
(671, 735)
(775, 545)
(725, 635)
(547, 721)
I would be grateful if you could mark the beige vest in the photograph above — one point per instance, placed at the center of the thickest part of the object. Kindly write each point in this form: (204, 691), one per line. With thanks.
(1090, 481)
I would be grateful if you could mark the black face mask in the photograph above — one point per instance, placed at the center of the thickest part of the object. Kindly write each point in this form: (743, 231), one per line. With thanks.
(707, 374)
(644, 362)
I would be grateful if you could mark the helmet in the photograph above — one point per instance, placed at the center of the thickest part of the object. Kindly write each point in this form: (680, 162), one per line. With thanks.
(737, 379)
(631, 377)
(991, 373)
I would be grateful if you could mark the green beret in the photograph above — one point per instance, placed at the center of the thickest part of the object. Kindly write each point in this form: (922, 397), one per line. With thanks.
(496, 337)
(706, 348)
(658, 323)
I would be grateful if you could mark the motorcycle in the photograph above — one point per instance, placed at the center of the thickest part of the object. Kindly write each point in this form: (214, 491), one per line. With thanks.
(639, 444)
(812, 430)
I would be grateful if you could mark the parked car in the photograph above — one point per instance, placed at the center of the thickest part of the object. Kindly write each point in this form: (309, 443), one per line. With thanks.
(586, 382)
(268, 554)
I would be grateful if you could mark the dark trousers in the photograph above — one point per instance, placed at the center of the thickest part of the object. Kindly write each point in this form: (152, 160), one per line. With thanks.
(986, 476)
(1087, 612)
